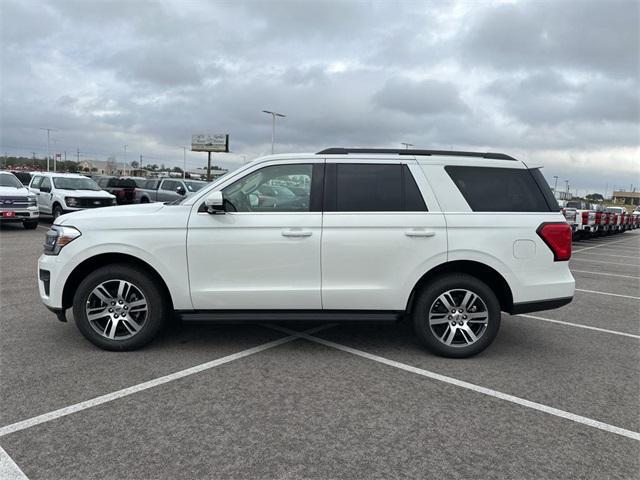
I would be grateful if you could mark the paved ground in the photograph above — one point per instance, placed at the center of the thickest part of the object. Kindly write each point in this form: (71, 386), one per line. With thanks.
(547, 400)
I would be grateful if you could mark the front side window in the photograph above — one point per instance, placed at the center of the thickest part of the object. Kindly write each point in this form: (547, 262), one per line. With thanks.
(169, 185)
(46, 183)
(267, 190)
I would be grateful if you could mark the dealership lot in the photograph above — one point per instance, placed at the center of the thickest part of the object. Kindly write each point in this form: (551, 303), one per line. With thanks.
(556, 395)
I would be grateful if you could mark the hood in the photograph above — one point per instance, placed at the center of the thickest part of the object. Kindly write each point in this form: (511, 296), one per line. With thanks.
(85, 193)
(105, 213)
(14, 192)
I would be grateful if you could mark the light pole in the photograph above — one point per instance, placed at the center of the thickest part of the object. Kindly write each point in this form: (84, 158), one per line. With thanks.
(48, 130)
(555, 186)
(124, 161)
(406, 145)
(184, 162)
(273, 126)
(566, 187)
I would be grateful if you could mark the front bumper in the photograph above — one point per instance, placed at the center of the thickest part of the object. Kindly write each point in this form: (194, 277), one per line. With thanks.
(20, 214)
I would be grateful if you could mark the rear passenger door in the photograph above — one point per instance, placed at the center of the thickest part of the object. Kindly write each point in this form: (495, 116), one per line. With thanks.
(382, 230)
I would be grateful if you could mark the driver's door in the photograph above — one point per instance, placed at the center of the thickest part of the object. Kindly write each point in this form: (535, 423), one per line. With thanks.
(259, 254)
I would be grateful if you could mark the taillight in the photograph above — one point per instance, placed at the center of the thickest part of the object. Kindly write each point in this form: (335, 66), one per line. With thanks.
(585, 218)
(557, 236)
(598, 218)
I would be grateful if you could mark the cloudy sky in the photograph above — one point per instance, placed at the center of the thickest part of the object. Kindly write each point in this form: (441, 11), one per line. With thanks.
(553, 83)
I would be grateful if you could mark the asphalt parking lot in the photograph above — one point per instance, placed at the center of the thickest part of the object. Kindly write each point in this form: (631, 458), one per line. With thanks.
(556, 396)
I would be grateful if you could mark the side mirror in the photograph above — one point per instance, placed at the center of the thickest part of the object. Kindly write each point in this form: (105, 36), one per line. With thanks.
(215, 202)
(180, 190)
(45, 189)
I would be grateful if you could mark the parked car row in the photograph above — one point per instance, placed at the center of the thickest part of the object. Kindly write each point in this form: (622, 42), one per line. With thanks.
(24, 198)
(586, 221)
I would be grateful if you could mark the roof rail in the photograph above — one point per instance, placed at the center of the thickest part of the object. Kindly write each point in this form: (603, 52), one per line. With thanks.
(402, 151)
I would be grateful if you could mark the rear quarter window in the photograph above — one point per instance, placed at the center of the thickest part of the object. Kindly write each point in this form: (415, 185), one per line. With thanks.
(488, 189)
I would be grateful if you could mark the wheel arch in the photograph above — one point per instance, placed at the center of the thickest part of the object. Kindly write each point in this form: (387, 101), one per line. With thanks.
(97, 261)
(479, 270)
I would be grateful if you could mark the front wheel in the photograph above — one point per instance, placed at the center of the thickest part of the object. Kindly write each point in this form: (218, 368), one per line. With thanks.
(456, 316)
(119, 307)
(57, 211)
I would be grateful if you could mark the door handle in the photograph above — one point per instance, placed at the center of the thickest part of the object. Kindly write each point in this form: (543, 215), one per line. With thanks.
(419, 233)
(296, 233)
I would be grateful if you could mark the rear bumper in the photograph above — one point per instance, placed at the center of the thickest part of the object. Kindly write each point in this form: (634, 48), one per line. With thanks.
(537, 306)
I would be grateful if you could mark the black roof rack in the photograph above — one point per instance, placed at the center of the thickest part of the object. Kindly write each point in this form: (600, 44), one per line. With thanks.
(402, 151)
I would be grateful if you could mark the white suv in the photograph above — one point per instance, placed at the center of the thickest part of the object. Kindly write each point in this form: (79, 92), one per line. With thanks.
(60, 193)
(447, 240)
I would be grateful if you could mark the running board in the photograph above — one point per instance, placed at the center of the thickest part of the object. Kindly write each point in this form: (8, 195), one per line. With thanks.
(288, 315)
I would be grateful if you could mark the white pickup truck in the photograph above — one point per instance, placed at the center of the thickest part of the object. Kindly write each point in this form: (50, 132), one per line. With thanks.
(585, 218)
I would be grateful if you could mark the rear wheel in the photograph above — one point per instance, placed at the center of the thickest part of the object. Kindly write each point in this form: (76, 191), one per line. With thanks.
(456, 316)
(119, 307)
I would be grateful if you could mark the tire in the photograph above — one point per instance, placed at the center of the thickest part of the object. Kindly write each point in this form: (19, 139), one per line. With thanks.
(485, 307)
(144, 200)
(30, 224)
(57, 211)
(133, 329)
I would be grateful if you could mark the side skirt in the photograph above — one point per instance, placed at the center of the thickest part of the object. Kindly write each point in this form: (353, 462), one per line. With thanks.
(239, 316)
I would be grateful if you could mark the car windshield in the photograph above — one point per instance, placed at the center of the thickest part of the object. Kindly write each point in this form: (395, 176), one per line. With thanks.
(194, 186)
(75, 183)
(9, 180)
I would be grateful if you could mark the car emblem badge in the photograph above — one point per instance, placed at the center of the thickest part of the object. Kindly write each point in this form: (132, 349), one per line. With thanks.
(96, 202)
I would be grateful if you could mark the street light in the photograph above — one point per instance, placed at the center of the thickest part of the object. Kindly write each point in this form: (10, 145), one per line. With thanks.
(273, 126)
(48, 130)
(407, 145)
(124, 161)
(184, 161)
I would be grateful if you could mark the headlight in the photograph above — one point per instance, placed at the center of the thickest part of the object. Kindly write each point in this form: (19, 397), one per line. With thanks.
(113, 201)
(32, 201)
(71, 201)
(57, 237)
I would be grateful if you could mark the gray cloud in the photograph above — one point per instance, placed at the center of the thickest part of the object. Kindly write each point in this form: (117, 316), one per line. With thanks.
(550, 80)
(426, 97)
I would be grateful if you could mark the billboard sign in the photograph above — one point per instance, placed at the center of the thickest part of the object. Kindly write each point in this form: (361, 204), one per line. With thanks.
(218, 142)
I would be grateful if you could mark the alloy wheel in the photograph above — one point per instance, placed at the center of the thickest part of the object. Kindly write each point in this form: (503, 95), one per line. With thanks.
(116, 309)
(458, 318)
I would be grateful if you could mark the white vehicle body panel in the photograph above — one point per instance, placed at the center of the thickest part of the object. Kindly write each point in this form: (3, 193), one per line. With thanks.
(343, 261)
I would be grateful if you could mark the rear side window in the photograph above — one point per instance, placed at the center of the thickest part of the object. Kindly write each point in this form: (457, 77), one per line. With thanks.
(489, 189)
(368, 188)
(360, 187)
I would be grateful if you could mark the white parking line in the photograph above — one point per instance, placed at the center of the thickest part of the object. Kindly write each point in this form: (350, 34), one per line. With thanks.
(607, 293)
(603, 255)
(605, 274)
(470, 386)
(62, 412)
(606, 263)
(599, 245)
(578, 325)
(9, 470)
